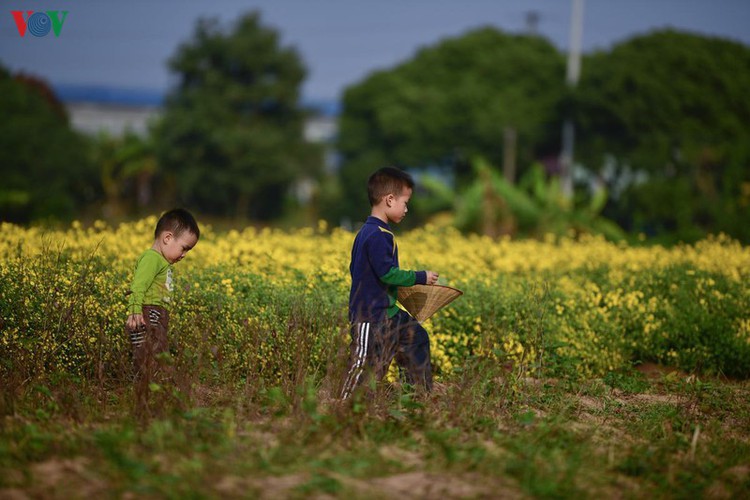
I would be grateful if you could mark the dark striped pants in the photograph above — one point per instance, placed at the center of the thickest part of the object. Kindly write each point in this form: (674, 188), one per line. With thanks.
(148, 343)
(374, 345)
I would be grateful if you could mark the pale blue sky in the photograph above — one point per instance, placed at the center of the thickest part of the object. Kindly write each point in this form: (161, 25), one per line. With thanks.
(127, 43)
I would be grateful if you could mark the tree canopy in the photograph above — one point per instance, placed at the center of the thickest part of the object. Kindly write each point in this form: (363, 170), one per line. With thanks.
(232, 131)
(43, 162)
(451, 102)
(664, 97)
(675, 107)
(661, 118)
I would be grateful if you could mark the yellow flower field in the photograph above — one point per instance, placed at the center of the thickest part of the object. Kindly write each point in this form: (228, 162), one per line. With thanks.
(249, 299)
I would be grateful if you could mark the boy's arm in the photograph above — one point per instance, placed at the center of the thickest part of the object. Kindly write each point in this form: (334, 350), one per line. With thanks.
(380, 252)
(144, 274)
(402, 277)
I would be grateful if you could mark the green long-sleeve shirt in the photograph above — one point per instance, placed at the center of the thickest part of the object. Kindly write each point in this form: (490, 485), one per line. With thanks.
(152, 282)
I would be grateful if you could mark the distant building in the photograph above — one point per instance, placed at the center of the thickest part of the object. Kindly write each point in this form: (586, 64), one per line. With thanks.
(321, 128)
(114, 119)
(103, 109)
(115, 111)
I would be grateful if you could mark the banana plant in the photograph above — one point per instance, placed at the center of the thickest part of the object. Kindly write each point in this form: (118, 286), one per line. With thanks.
(492, 206)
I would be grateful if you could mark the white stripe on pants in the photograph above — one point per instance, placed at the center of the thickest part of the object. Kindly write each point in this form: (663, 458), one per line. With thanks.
(362, 344)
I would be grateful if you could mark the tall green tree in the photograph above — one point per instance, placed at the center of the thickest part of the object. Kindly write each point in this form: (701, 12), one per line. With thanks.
(44, 167)
(673, 108)
(450, 102)
(232, 131)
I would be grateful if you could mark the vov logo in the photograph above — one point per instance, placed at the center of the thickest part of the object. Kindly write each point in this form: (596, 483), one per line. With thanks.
(39, 23)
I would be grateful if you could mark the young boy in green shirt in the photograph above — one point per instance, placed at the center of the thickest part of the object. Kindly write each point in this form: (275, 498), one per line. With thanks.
(148, 318)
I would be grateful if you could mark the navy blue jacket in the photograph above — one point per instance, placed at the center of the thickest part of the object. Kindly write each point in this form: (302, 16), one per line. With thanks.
(376, 275)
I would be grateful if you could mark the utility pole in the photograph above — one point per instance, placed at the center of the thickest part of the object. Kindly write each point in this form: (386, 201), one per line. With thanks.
(509, 154)
(571, 79)
(532, 22)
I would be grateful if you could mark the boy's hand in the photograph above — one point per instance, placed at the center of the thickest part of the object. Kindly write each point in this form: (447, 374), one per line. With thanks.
(432, 277)
(135, 322)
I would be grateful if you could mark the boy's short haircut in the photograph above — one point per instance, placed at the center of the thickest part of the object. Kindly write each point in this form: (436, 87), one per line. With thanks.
(177, 221)
(387, 180)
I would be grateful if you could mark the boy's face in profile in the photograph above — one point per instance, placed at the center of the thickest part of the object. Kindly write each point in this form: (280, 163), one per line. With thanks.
(174, 248)
(396, 206)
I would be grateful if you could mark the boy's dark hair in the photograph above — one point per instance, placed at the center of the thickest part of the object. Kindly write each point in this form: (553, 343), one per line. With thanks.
(385, 181)
(177, 220)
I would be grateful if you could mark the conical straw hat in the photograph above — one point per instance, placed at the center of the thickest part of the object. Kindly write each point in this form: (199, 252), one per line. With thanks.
(422, 301)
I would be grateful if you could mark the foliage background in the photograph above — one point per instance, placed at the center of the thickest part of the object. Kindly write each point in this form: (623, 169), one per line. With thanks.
(660, 118)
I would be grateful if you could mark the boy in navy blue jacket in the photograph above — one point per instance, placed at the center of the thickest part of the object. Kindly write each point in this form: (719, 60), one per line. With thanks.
(380, 330)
